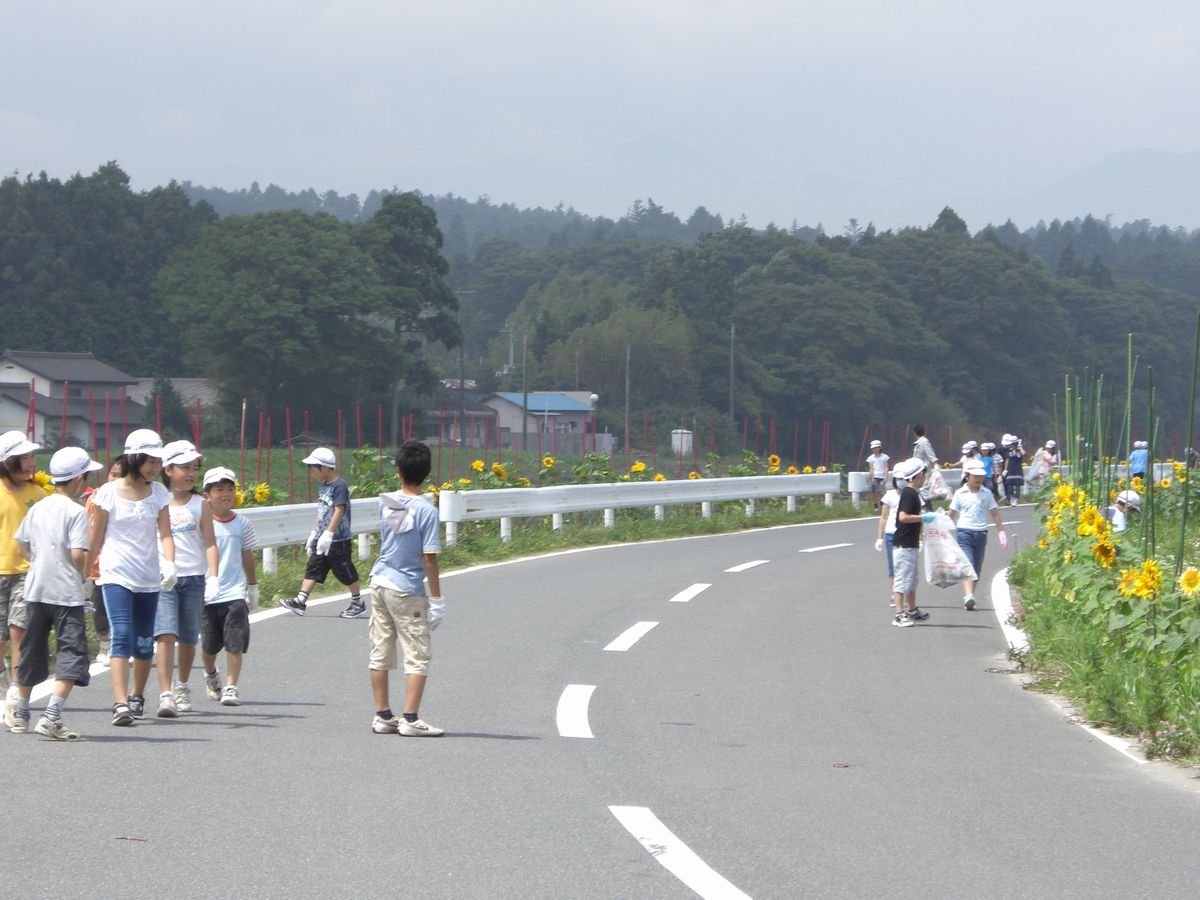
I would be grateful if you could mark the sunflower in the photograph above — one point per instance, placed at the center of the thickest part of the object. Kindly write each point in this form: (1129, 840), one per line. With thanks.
(1128, 585)
(547, 462)
(1137, 484)
(808, 470)
(1105, 553)
(694, 475)
(499, 471)
(638, 466)
(772, 470)
(477, 465)
(1189, 581)
(239, 497)
(1165, 483)
(792, 470)
(449, 487)
(659, 476)
(1151, 578)
(262, 492)
(773, 460)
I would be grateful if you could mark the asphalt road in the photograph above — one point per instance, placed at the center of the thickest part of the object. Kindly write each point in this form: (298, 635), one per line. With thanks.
(772, 736)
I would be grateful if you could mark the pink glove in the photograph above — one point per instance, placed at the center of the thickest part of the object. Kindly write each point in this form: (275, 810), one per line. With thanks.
(1003, 539)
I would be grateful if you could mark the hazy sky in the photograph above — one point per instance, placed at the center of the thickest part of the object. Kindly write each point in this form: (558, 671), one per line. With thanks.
(471, 97)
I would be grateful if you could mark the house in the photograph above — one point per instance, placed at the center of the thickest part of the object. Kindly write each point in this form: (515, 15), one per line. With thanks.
(190, 390)
(563, 421)
(66, 398)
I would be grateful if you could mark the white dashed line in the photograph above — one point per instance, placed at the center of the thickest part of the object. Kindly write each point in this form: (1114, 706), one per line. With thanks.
(573, 711)
(747, 565)
(826, 547)
(630, 636)
(673, 854)
(685, 595)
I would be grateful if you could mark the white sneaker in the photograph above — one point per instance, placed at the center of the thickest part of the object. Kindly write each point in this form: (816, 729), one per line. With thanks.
(419, 728)
(212, 684)
(385, 726)
(102, 656)
(969, 602)
(55, 730)
(167, 708)
(13, 720)
(902, 620)
(229, 695)
(183, 697)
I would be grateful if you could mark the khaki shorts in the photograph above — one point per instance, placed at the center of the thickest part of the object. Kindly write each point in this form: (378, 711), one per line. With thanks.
(404, 617)
(12, 604)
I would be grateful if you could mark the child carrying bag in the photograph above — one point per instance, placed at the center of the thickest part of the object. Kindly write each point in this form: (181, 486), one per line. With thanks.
(945, 562)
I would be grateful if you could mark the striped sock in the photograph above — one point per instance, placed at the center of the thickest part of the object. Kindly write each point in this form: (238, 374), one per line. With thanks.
(54, 709)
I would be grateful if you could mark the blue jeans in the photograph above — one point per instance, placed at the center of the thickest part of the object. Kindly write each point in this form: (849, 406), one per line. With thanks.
(973, 543)
(180, 610)
(887, 545)
(130, 621)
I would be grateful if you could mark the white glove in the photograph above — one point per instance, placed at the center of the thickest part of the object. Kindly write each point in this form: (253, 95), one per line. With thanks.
(252, 596)
(212, 588)
(878, 543)
(1003, 539)
(324, 542)
(437, 611)
(167, 568)
(310, 546)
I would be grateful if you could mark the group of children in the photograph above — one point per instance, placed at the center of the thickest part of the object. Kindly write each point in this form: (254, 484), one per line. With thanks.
(168, 567)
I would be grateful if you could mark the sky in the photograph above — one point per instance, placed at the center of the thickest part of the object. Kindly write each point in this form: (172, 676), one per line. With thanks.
(781, 111)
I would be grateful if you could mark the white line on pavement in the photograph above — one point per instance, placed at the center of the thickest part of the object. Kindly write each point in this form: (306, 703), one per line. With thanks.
(673, 854)
(630, 636)
(687, 594)
(747, 565)
(826, 547)
(573, 711)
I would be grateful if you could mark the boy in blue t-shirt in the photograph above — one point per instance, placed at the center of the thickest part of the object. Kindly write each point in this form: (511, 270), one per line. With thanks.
(226, 621)
(328, 544)
(400, 610)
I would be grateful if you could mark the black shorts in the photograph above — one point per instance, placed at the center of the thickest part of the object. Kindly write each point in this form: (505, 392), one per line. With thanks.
(337, 560)
(70, 629)
(226, 627)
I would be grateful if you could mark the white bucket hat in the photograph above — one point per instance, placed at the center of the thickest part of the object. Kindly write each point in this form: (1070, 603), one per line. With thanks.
(322, 456)
(145, 441)
(14, 443)
(875, 444)
(71, 462)
(909, 469)
(220, 473)
(1130, 498)
(180, 453)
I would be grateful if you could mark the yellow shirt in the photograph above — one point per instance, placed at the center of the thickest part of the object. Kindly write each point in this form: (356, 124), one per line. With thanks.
(13, 506)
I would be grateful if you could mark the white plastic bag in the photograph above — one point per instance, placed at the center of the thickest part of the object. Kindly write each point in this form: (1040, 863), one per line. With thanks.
(945, 562)
(937, 485)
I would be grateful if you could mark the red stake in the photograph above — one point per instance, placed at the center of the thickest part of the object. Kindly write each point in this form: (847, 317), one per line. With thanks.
(287, 426)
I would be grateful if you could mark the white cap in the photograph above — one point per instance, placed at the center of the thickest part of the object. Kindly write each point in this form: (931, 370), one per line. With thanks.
(179, 453)
(14, 443)
(875, 444)
(974, 468)
(1137, 445)
(1050, 445)
(909, 469)
(322, 456)
(987, 445)
(1130, 498)
(967, 447)
(220, 473)
(973, 445)
(144, 441)
(71, 462)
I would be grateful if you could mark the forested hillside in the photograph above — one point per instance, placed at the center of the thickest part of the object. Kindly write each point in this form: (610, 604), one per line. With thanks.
(302, 307)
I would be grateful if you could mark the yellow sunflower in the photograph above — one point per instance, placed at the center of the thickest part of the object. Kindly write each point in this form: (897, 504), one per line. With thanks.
(659, 476)
(638, 466)
(792, 470)
(1128, 585)
(694, 475)
(807, 470)
(262, 492)
(1105, 553)
(477, 465)
(547, 462)
(499, 471)
(1189, 581)
(773, 460)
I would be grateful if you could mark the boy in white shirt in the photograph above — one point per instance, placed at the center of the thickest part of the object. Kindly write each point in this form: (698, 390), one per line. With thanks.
(54, 537)
(877, 464)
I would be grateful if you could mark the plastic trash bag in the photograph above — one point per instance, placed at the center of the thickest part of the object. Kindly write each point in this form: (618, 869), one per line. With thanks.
(945, 562)
(937, 485)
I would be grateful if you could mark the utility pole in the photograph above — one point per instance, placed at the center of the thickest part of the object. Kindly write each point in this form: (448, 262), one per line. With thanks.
(524, 388)
(627, 443)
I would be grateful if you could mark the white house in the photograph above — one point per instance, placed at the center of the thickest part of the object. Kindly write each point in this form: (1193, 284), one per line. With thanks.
(40, 390)
(552, 419)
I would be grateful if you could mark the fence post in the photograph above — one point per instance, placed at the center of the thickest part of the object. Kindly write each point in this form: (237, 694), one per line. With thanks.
(364, 546)
(270, 561)
(706, 509)
(791, 504)
(506, 528)
(610, 518)
(659, 513)
(750, 507)
(556, 521)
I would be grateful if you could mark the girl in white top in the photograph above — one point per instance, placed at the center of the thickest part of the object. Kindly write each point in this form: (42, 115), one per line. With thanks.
(181, 609)
(889, 505)
(127, 515)
(1044, 459)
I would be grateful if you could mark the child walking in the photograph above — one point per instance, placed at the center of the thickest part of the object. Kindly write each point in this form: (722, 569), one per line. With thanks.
(877, 462)
(886, 534)
(328, 544)
(54, 538)
(127, 515)
(227, 613)
(180, 609)
(18, 493)
(400, 610)
(970, 508)
(909, 517)
(99, 615)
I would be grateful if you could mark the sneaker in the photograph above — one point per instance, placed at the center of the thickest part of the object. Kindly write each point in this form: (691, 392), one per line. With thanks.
(212, 684)
(901, 620)
(55, 730)
(102, 656)
(229, 695)
(295, 604)
(418, 728)
(137, 705)
(917, 614)
(385, 726)
(121, 715)
(167, 708)
(10, 710)
(969, 602)
(354, 611)
(183, 697)
(14, 721)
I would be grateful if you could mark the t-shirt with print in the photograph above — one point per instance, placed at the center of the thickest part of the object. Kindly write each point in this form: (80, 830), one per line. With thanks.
(189, 544)
(973, 508)
(330, 497)
(13, 507)
(129, 555)
(878, 465)
(408, 529)
(51, 530)
(908, 534)
(232, 538)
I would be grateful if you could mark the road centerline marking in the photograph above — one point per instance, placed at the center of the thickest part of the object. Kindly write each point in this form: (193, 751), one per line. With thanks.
(630, 636)
(747, 565)
(688, 593)
(674, 855)
(825, 547)
(572, 714)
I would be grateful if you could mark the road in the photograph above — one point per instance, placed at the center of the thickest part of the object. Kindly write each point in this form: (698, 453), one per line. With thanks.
(770, 735)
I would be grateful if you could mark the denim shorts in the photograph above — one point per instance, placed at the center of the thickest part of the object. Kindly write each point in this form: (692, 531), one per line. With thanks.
(130, 621)
(973, 543)
(887, 545)
(180, 610)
